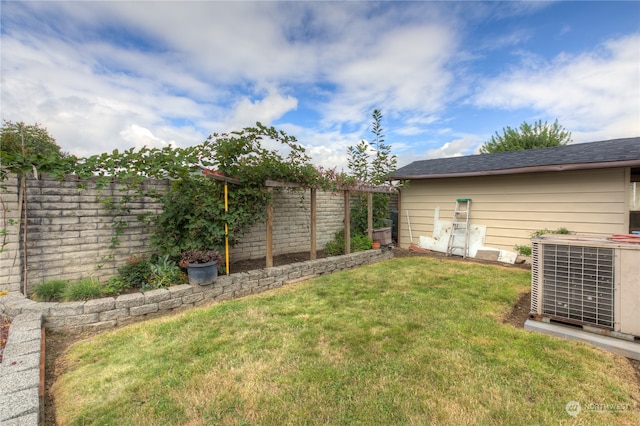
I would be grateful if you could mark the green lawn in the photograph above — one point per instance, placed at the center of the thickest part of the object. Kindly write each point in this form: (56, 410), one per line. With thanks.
(407, 341)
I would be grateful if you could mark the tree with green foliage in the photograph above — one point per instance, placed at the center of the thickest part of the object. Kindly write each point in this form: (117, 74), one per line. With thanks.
(371, 163)
(26, 147)
(527, 136)
(367, 168)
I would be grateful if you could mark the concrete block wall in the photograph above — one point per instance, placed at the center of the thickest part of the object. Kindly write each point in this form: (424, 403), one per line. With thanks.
(292, 225)
(10, 258)
(69, 230)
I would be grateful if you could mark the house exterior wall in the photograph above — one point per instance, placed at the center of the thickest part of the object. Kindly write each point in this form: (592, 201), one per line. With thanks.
(512, 207)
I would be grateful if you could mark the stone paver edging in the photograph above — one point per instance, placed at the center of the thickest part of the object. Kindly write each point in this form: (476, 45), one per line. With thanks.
(20, 372)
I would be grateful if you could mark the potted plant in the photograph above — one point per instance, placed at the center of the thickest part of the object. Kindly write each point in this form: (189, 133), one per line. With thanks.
(201, 265)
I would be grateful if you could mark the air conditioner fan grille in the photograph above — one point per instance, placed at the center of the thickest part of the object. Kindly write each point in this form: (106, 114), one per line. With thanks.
(578, 284)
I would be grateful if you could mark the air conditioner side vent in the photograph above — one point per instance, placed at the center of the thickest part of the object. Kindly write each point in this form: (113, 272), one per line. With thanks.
(535, 276)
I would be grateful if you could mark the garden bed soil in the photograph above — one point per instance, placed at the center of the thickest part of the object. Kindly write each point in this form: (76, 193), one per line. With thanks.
(57, 343)
(4, 332)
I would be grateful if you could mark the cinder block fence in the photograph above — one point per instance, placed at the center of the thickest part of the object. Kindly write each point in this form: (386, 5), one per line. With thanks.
(69, 231)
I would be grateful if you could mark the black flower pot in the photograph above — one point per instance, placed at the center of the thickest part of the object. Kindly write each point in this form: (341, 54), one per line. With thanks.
(202, 273)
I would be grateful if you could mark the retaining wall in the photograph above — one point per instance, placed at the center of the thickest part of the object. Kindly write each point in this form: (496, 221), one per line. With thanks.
(69, 231)
(109, 312)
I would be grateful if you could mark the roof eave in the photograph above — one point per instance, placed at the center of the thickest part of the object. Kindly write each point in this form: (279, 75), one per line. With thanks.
(520, 170)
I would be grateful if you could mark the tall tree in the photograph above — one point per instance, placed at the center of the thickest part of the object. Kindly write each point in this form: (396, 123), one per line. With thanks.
(371, 163)
(538, 135)
(23, 147)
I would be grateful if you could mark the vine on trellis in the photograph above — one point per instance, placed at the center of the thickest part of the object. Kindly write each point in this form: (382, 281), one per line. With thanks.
(193, 215)
(238, 154)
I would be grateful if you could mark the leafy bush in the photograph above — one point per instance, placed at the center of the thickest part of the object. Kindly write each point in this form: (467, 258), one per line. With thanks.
(540, 232)
(86, 289)
(164, 273)
(359, 242)
(115, 286)
(136, 272)
(192, 219)
(49, 291)
(199, 257)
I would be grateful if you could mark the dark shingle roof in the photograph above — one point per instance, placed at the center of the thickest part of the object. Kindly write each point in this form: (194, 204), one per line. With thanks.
(610, 153)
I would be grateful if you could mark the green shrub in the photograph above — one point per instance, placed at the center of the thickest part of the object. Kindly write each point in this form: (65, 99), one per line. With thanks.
(164, 273)
(115, 286)
(136, 272)
(86, 289)
(49, 291)
(523, 250)
(334, 248)
(359, 242)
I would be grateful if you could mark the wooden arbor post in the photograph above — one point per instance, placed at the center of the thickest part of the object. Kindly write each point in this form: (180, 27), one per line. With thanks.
(312, 225)
(347, 221)
(270, 184)
(370, 215)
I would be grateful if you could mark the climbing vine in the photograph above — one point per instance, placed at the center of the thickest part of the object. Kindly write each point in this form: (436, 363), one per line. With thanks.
(193, 214)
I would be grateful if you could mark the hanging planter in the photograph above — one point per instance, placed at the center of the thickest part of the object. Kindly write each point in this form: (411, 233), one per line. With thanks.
(202, 266)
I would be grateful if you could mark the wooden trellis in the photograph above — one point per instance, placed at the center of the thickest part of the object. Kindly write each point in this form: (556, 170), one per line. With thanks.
(271, 184)
(370, 189)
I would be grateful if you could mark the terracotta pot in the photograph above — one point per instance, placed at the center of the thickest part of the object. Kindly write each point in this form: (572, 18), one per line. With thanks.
(376, 245)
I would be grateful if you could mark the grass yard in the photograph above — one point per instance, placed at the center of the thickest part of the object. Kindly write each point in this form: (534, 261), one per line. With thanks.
(407, 341)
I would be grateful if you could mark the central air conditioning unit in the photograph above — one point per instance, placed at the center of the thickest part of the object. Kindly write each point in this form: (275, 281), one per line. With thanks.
(587, 281)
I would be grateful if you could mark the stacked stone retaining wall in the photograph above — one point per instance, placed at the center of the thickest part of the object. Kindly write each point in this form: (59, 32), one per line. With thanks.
(109, 312)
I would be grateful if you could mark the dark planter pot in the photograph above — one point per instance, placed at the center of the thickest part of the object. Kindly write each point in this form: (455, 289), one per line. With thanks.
(202, 273)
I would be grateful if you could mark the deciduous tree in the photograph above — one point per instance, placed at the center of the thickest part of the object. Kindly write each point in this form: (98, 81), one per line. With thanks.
(527, 136)
(371, 163)
(26, 146)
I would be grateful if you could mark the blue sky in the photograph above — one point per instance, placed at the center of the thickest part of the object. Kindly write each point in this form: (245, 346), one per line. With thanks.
(446, 75)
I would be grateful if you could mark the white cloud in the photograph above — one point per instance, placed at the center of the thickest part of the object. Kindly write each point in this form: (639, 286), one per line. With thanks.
(140, 137)
(595, 94)
(105, 75)
(246, 112)
(406, 70)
